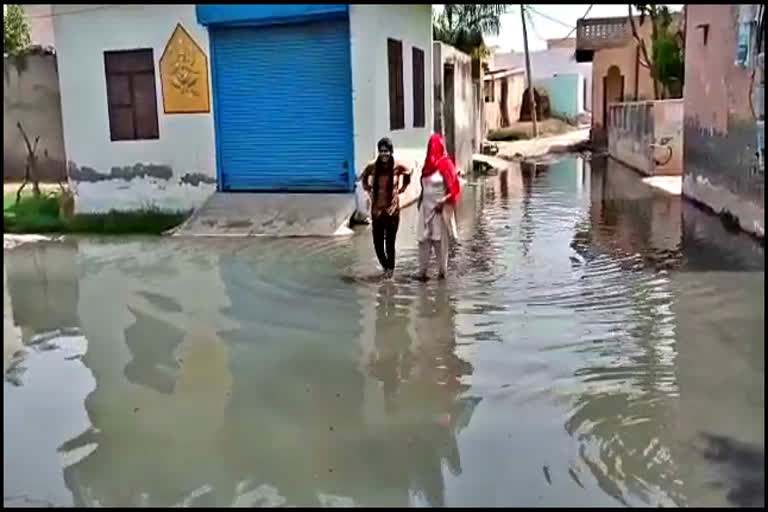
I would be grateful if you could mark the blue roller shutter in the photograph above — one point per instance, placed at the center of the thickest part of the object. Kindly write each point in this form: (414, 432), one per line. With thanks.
(284, 107)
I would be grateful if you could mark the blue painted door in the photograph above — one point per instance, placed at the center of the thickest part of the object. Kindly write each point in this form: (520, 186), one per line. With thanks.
(283, 107)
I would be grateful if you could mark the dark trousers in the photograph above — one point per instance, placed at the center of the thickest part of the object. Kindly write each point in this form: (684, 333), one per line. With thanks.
(384, 234)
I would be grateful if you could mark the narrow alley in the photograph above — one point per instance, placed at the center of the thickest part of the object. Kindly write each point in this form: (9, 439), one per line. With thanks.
(218, 221)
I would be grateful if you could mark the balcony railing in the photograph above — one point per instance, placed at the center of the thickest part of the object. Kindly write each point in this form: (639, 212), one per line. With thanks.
(597, 33)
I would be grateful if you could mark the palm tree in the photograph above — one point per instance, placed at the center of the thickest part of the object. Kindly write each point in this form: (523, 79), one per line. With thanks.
(464, 25)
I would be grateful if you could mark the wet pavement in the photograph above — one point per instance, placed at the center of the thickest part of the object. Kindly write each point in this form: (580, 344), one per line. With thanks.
(597, 343)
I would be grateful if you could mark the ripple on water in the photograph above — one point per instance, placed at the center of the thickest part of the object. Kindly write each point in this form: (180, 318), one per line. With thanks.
(572, 334)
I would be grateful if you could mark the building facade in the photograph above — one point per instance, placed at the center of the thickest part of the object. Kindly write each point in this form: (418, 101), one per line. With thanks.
(503, 91)
(724, 113)
(617, 72)
(167, 104)
(456, 116)
(567, 94)
(647, 136)
(558, 59)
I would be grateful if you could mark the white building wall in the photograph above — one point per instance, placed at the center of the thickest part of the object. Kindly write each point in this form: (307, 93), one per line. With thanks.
(464, 115)
(186, 142)
(370, 27)
(547, 63)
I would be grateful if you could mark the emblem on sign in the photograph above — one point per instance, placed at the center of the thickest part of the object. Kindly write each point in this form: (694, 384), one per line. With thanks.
(184, 75)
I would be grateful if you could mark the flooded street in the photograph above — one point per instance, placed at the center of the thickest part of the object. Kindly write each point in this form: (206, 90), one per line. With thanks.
(597, 343)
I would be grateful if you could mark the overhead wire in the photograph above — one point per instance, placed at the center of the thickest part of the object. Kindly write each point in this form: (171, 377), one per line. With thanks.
(573, 29)
(64, 13)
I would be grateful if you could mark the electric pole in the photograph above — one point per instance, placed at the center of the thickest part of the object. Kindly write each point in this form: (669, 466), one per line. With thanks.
(531, 96)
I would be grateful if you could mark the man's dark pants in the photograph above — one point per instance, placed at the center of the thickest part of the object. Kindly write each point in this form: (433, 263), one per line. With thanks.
(384, 234)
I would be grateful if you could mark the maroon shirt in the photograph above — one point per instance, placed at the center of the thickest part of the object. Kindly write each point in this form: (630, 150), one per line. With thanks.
(387, 197)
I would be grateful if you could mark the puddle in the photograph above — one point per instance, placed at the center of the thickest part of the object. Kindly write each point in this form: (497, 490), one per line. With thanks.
(592, 332)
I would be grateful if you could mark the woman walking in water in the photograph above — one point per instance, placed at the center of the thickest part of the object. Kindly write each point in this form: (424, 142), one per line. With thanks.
(440, 190)
(390, 178)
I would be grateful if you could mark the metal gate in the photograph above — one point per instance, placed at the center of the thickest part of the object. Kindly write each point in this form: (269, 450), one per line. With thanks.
(283, 107)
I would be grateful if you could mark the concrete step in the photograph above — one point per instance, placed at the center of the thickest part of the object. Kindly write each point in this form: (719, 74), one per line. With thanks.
(279, 215)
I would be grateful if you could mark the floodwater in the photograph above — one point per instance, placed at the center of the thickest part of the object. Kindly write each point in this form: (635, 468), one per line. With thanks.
(597, 343)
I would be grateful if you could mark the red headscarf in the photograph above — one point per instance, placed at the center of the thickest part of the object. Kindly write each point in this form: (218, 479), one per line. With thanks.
(438, 160)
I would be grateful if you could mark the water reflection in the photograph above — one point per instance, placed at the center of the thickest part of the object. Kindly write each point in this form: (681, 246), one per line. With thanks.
(644, 228)
(623, 336)
(296, 409)
(613, 333)
(12, 344)
(152, 343)
(42, 345)
(43, 287)
(630, 219)
(162, 381)
(421, 379)
(744, 466)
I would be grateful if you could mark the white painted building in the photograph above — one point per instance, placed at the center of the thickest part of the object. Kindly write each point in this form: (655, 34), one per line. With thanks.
(185, 144)
(558, 59)
(291, 108)
(456, 115)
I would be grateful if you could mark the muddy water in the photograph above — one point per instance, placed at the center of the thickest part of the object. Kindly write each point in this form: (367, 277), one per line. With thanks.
(597, 343)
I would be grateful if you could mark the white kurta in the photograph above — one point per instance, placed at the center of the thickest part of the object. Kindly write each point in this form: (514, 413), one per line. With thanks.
(434, 230)
(431, 225)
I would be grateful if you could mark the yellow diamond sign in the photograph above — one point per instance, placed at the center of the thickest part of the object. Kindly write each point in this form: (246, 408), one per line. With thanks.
(184, 75)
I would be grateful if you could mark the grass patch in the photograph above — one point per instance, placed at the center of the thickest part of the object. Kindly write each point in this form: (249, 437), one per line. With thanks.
(523, 130)
(150, 221)
(41, 215)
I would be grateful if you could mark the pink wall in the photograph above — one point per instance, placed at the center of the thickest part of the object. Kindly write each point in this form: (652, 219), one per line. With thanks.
(40, 24)
(719, 89)
(648, 136)
(721, 165)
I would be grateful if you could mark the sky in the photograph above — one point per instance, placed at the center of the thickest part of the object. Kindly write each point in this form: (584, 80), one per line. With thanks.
(550, 22)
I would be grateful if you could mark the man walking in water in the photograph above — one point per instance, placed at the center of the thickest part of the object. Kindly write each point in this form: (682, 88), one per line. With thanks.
(384, 179)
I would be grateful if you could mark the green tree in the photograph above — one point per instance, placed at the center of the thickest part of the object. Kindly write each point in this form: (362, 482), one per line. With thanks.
(464, 26)
(666, 59)
(15, 30)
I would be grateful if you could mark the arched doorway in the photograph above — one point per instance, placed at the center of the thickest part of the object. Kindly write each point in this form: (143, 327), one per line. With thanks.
(613, 90)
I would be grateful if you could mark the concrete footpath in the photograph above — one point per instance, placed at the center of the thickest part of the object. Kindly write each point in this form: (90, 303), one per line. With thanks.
(278, 215)
(510, 152)
(517, 151)
(541, 146)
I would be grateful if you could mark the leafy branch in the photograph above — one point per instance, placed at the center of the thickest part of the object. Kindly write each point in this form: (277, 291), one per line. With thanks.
(464, 26)
(666, 60)
(16, 37)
